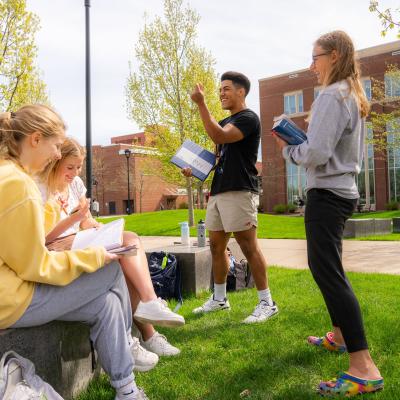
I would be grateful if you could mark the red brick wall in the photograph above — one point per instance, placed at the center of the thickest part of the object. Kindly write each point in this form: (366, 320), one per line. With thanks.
(148, 191)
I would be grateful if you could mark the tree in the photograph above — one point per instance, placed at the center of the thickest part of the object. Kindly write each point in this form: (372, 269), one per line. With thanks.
(385, 114)
(387, 17)
(158, 94)
(20, 81)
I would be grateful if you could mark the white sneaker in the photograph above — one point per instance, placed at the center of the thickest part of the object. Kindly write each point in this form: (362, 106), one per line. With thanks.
(157, 312)
(159, 345)
(134, 395)
(262, 312)
(144, 360)
(213, 305)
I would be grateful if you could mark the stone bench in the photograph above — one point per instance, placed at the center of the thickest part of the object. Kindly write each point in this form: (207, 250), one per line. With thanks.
(195, 266)
(61, 353)
(367, 227)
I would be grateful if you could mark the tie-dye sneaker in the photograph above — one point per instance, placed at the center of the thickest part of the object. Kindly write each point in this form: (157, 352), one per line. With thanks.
(348, 386)
(327, 343)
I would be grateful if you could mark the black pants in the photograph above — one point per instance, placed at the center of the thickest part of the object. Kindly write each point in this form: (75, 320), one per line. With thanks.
(325, 216)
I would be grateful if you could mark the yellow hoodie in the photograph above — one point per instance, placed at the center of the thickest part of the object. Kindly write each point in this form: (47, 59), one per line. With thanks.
(24, 259)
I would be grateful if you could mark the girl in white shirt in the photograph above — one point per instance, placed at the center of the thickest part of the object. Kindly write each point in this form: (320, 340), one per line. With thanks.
(61, 185)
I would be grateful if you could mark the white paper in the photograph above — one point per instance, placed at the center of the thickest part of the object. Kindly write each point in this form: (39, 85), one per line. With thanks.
(108, 236)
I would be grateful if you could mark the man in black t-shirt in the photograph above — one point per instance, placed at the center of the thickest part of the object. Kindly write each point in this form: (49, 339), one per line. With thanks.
(234, 189)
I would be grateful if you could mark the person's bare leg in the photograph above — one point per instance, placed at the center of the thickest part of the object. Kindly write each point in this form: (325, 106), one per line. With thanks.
(248, 243)
(146, 330)
(362, 365)
(136, 269)
(149, 309)
(220, 262)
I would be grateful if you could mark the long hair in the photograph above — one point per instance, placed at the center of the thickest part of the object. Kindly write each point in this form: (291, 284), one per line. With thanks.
(346, 66)
(70, 148)
(15, 126)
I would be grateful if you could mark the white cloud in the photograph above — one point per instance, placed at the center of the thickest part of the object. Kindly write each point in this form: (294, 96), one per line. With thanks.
(258, 37)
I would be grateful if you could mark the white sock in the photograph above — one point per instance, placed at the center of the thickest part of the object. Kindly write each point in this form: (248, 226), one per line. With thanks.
(128, 391)
(219, 291)
(265, 295)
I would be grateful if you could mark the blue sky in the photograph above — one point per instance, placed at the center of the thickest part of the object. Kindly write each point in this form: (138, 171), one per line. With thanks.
(261, 39)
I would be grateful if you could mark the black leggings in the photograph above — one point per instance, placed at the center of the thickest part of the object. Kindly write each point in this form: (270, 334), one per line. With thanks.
(325, 216)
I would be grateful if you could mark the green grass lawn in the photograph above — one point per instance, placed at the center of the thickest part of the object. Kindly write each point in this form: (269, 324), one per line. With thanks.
(166, 223)
(221, 357)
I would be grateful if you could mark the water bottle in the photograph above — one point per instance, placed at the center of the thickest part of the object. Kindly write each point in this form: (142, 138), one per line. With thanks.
(185, 234)
(201, 234)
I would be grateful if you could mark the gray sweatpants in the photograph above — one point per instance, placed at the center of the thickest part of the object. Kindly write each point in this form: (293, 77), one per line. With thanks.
(100, 300)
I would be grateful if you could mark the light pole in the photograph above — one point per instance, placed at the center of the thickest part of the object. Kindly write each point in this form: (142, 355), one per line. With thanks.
(88, 104)
(127, 153)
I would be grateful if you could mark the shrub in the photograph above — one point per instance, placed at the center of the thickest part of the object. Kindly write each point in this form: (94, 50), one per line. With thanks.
(183, 206)
(392, 205)
(291, 208)
(279, 208)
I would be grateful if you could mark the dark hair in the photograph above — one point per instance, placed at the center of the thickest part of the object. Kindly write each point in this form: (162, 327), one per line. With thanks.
(238, 79)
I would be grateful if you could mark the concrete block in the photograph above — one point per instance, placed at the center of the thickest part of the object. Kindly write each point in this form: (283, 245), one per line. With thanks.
(396, 225)
(367, 227)
(60, 351)
(382, 226)
(195, 265)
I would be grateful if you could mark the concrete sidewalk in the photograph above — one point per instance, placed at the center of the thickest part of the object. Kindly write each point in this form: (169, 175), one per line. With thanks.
(358, 256)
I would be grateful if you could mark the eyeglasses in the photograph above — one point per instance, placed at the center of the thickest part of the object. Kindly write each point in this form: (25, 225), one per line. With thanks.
(315, 57)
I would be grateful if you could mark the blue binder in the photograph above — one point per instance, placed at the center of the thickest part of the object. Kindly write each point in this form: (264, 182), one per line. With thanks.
(287, 130)
(191, 155)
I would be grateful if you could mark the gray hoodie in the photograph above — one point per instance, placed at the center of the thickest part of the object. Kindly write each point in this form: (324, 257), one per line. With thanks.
(333, 151)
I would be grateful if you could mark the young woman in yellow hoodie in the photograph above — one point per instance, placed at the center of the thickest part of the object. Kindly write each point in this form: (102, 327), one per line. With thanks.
(37, 285)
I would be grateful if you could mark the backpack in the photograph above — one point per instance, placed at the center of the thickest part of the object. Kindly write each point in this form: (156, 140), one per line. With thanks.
(239, 275)
(166, 276)
(18, 380)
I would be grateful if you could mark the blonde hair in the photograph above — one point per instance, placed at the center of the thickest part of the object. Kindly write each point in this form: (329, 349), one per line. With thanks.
(15, 126)
(70, 148)
(346, 66)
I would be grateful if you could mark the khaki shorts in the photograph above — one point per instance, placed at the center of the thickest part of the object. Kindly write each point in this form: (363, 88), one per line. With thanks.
(231, 211)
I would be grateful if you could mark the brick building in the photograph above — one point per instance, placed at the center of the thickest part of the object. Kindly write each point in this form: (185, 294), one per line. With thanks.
(293, 93)
(110, 179)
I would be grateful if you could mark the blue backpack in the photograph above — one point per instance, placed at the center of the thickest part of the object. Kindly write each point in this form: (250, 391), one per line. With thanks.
(166, 276)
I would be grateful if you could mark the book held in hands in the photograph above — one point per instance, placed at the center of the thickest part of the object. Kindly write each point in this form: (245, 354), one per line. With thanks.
(191, 155)
(288, 131)
(108, 235)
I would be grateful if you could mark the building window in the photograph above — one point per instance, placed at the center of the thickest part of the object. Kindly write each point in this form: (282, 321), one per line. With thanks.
(392, 85)
(296, 182)
(367, 197)
(393, 156)
(293, 103)
(367, 87)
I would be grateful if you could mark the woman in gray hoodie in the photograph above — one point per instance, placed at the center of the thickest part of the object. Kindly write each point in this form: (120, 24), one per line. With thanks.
(332, 155)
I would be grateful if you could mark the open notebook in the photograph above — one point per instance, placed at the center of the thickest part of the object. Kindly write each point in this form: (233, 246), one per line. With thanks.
(108, 235)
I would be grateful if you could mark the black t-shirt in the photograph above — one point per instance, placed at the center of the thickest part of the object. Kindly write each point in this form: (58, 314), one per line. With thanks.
(236, 168)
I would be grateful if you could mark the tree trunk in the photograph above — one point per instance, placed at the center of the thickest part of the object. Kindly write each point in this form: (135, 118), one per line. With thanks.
(201, 195)
(190, 201)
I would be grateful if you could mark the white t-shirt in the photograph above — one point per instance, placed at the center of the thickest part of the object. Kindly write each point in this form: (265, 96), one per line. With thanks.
(76, 190)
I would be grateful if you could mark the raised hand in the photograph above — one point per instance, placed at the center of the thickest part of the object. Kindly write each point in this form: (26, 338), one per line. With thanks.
(197, 95)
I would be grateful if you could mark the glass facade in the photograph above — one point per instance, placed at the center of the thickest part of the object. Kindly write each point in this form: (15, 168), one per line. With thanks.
(293, 103)
(393, 155)
(363, 177)
(296, 182)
